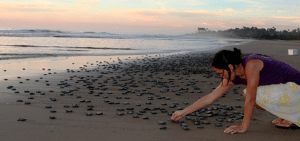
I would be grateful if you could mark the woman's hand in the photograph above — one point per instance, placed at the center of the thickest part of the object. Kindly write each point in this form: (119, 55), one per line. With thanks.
(235, 129)
(178, 115)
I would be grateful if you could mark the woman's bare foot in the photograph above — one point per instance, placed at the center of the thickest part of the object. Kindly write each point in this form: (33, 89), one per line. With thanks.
(278, 120)
(285, 123)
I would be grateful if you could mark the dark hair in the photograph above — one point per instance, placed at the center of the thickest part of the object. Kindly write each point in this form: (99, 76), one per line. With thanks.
(225, 57)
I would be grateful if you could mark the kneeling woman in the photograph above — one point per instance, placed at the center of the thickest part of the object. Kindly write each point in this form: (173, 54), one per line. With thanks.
(271, 85)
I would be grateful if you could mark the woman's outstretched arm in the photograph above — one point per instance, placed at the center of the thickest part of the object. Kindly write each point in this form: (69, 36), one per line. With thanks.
(204, 101)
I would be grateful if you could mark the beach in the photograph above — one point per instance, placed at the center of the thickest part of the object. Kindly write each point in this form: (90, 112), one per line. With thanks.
(152, 85)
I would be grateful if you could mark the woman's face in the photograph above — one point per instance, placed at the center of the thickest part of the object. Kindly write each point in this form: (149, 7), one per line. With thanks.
(225, 74)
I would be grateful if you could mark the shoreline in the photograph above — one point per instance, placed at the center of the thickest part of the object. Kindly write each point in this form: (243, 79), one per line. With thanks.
(139, 79)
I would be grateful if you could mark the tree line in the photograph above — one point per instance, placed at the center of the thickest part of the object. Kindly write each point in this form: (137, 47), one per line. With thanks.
(255, 33)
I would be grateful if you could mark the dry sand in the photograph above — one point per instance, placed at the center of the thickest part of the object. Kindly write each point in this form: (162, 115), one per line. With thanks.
(77, 126)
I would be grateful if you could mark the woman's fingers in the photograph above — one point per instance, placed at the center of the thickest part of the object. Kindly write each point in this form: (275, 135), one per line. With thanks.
(176, 116)
(230, 129)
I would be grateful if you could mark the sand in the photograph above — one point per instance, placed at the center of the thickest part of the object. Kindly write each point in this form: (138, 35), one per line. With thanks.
(109, 126)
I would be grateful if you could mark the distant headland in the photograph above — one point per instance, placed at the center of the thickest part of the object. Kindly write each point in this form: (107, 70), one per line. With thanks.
(251, 33)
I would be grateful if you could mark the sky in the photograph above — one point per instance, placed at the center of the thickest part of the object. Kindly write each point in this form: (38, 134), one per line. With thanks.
(149, 16)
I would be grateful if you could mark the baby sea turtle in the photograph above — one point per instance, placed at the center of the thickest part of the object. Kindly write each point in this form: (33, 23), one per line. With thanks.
(199, 126)
(129, 108)
(182, 124)
(21, 119)
(78, 97)
(99, 113)
(90, 106)
(148, 103)
(130, 112)
(48, 107)
(161, 123)
(52, 117)
(19, 100)
(120, 109)
(185, 128)
(88, 113)
(145, 118)
(205, 122)
(236, 112)
(163, 128)
(52, 111)
(120, 114)
(126, 103)
(218, 124)
(53, 99)
(69, 111)
(135, 116)
(27, 103)
(230, 120)
(172, 106)
(74, 105)
(219, 120)
(66, 106)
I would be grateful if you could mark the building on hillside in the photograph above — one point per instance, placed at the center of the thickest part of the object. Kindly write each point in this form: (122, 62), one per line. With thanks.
(202, 29)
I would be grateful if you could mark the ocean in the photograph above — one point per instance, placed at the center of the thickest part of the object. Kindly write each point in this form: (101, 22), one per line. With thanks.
(28, 52)
(35, 43)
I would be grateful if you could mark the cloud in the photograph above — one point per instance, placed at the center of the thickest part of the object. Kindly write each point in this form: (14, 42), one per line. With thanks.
(149, 18)
(196, 3)
(177, 25)
(167, 13)
(283, 17)
(87, 2)
(229, 10)
(297, 21)
(159, 3)
(281, 11)
(258, 23)
(249, 11)
(26, 7)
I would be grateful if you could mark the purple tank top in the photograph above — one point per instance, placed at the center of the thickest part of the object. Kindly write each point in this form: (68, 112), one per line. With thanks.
(273, 72)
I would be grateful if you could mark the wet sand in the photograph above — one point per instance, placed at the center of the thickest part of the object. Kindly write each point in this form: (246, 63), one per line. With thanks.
(164, 81)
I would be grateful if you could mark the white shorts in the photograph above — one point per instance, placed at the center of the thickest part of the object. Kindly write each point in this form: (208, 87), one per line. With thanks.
(282, 100)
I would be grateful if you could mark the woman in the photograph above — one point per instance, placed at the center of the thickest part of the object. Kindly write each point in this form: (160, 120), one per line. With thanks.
(271, 85)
